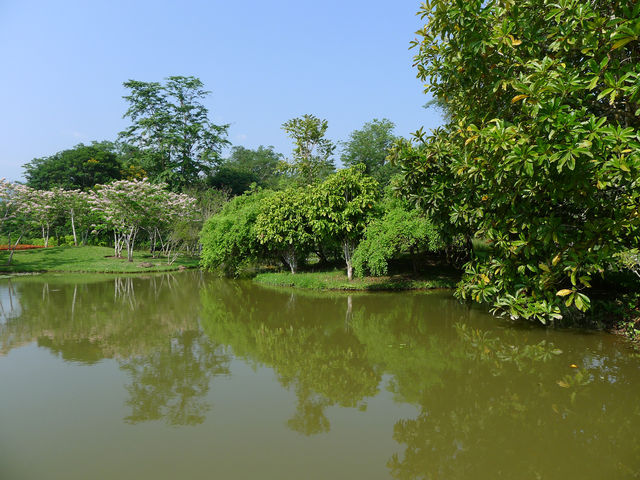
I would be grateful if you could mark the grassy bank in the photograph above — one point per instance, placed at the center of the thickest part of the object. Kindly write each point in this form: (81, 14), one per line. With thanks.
(337, 280)
(86, 259)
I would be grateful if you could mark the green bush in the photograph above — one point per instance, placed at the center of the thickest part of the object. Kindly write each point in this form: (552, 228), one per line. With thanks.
(399, 230)
(229, 239)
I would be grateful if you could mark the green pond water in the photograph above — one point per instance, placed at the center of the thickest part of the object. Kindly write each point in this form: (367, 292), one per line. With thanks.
(186, 376)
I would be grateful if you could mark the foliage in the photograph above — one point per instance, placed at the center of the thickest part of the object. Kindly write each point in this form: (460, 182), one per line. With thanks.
(370, 146)
(342, 208)
(245, 167)
(44, 207)
(311, 160)
(228, 238)
(400, 229)
(16, 209)
(128, 206)
(284, 225)
(175, 140)
(76, 204)
(630, 259)
(80, 167)
(541, 155)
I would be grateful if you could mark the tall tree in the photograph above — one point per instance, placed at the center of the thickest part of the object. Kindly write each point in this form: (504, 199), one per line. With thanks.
(370, 146)
(80, 167)
(176, 141)
(541, 155)
(311, 160)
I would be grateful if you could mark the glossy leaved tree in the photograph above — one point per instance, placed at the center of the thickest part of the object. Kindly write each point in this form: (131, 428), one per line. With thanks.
(541, 154)
(342, 208)
(175, 141)
(284, 225)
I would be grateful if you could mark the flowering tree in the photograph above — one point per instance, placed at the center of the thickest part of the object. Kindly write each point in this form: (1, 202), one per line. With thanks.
(14, 212)
(77, 205)
(125, 207)
(42, 207)
(6, 201)
(175, 223)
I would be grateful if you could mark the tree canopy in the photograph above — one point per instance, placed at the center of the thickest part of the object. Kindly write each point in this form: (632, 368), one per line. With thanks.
(342, 209)
(541, 155)
(245, 167)
(370, 146)
(80, 167)
(284, 225)
(175, 140)
(312, 152)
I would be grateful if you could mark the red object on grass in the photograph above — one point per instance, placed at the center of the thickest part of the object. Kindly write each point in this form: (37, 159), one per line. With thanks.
(20, 247)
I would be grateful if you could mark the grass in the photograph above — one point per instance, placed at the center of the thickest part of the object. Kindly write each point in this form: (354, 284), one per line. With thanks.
(337, 280)
(86, 260)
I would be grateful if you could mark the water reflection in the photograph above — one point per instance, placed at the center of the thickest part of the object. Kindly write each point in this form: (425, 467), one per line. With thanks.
(147, 325)
(172, 382)
(492, 401)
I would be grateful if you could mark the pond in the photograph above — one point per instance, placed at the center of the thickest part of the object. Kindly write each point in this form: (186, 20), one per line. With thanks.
(190, 376)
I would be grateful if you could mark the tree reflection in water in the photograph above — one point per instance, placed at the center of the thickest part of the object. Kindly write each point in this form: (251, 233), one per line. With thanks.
(172, 382)
(148, 325)
(492, 402)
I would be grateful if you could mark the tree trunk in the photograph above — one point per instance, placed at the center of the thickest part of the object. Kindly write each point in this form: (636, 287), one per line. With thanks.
(347, 249)
(73, 229)
(290, 259)
(12, 249)
(116, 245)
(131, 240)
(153, 243)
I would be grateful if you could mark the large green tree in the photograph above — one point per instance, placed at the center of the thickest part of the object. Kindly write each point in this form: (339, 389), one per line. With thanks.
(342, 208)
(370, 146)
(541, 156)
(284, 225)
(80, 167)
(312, 152)
(175, 140)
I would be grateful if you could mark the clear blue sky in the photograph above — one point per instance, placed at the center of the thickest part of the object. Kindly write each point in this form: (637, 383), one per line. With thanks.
(265, 62)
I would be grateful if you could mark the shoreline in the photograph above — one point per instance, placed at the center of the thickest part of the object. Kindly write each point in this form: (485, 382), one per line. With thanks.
(87, 260)
(336, 280)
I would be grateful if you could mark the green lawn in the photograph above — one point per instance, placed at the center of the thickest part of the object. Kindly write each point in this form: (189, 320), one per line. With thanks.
(337, 280)
(86, 259)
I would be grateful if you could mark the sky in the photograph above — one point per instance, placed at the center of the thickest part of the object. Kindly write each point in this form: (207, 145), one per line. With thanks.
(64, 63)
